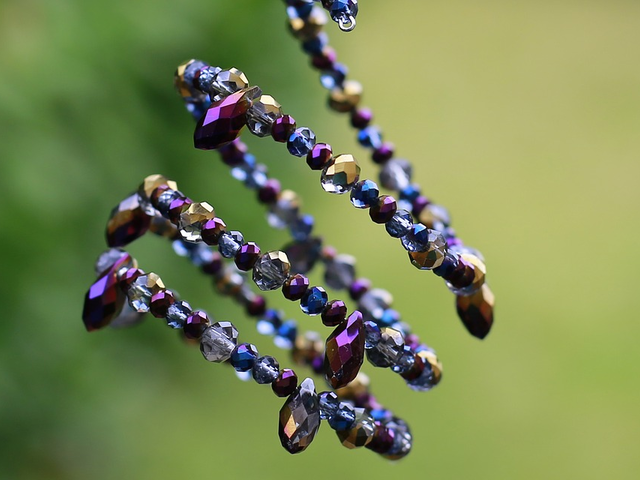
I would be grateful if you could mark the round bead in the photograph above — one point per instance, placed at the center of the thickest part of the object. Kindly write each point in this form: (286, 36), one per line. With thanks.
(271, 270)
(142, 290)
(346, 98)
(295, 287)
(212, 230)
(160, 303)
(326, 59)
(285, 384)
(370, 137)
(417, 239)
(131, 275)
(229, 243)
(433, 256)
(435, 217)
(256, 306)
(301, 142)
(218, 341)
(247, 256)
(176, 207)
(313, 301)
(384, 209)
(205, 77)
(268, 193)
(383, 153)
(193, 219)
(400, 224)
(196, 324)
(262, 114)
(229, 81)
(361, 433)
(177, 314)
(431, 372)
(334, 76)
(282, 128)
(319, 156)
(244, 357)
(329, 403)
(364, 194)
(301, 228)
(396, 174)
(334, 313)
(372, 334)
(184, 79)
(343, 418)
(361, 117)
(359, 288)
(265, 370)
(388, 350)
(307, 28)
(341, 175)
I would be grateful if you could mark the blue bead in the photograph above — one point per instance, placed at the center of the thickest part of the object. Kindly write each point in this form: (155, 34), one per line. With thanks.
(243, 357)
(400, 224)
(370, 137)
(448, 265)
(364, 194)
(198, 109)
(389, 317)
(381, 414)
(343, 418)
(301, 10)
(287, 333)
(316, 44)
(405, 362)
(333, 78)
(417, 239)
(341, 8)
(301, 228)
(270, 322)
(329, 404)
(410, 193)
(301, 141)
(230, 243)
(372, 334)
(314, 301)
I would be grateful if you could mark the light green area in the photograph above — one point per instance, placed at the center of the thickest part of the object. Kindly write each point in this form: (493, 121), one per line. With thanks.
(522, 117)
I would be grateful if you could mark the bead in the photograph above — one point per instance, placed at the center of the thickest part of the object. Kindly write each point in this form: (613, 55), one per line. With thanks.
(192, 221)
(402, 440)
(229, 243)
(382, 440)
(435, 217)
(247, 256)
(230, 282)
(396, 174)
(370, 137)
(320, 156)
(419, 204)
(295, 287)
(219, 341)
(433, 256)
(343, 12)
(269, 192)
(127, 222)
(160, 303)
(313, 301)
(405, 361)
(177, 207)
(177, 314)
(384, 209)
(334, 313)
(361, 433)
(364, 194)
(479, 272)
(334, 76)
(344, 352)
(388, 350)
(195, 324)
(264, 111)
(358, 288)
(309, 27)
(361, 118)
(107, 259)
(265, 370)
(125, 280)
(400, 224)
(244, 357)
(326, 59)
(374, 303)
(299, 418)
(229, 81)
(141, 291)
(340, 176)
(256, 306)
(285, 384)
(204, 79)
(282, 128)
(340, 272)
(303, 255)
(358, 389)
(285, 210)
(476, 311)
(212, 230)
(431, 373)
(301, 142)
(383, 154)
(270, 322)
(301, 228)
(165, 199)
(343, 418)
(417, 240)
(329, 404)
(286, 335)
(410, 193)
(389, 317)
(147, 187)
(184, 79)
(315, 45)
(307, 347)
(372, 335)
(271, 270)
(346, 98)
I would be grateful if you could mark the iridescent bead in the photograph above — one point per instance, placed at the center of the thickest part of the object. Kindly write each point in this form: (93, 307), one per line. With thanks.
(177, 207)
(247, 256)
(361, 118)
(285, 384)
(271, 270)
(125, 280)
(382, 440)
(419, 204)
(107, 259)
(402, 440)
(229, 282)
(329, 404)
(346, 98)
(326, 59)
(265, 370)
(361, 433)
(264, 111)
(417, 240)
(400, 224)
(269, 192)
(340, 176)
(344, 352)
(286, 335)
(344, 12)
(177, 314)
(229, 81)
(205, 77)
(184, 79)
(333, 77)
(431, 373)
(269, 322)
(340, 272)
(389, 317)
(384, 209)
(356, 390)
(282, 128)
(301, 141)
(370, 137)
(313, 301)
(364, 194)
(192, 221)
(212, 230)
(315, 45)
(142, 289)
(383, 154)
(127, 222)
(195, 324)
(372, 335)
(307, 28)
(219, 341)
(285, 210)
(295, 287)
(396, 174)
(476, 311)
(374, 303)
(405, 361)
(165, 199)
(299, 418)
(358, 288)
(460, 249)
(148, 185)
(388, 350)
(160, 303)
(320, 156)
(244, 357)
(433, 256)
(301, 228)
(334, 313)
(307, 347)
(229, 243)
(435, 217)
(303, 255)
(479, 272)
(343, 418)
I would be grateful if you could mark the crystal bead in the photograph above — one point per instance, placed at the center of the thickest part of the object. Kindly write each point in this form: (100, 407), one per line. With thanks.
(405, 361)
(212, 230)
(165, 199)
(299, 418)
(430, 375)
(400, 224)
(270, 321)
(107, 259)
(195, 324)
(358, 288)
(148, 185)
(286, 335)
(264, 111)
(283, 128)
(229, 81)
(402, 440)
(389, 317)
(374, 303)
(341, 10)
(269, 192)
(417, 240)
(309, 27)
(285, 210)
(476, 311)
(319, 156)
(127, 278)
(383, 154)
(388, 350)
(205, 77)
(340, 176)
(295, 287)
(372, 335)
(343, 418)
(384, 209)
(433, 256)
(192, 221)
(301, 142)
(396, 174)
(160, 303)
(329, 404)
(176, 208)
(364, 194)
(247, 256)
(219, 341)
(265, 370)
(340, 272)
(382, 440)
(177, 314)
(303, 255)
(285, 384)
(313, 301)
(315, 45)
(344, 352)
(229, 243)
(334, 313)
(370, 137)
(361, 433)
(271, 270)
(361, 117)
(479, 273)
(127, 222)
(347, 97)
(301, 228)
(184, 80)
(142, 289)
(435, 217)
(307, 347)
(333, 77)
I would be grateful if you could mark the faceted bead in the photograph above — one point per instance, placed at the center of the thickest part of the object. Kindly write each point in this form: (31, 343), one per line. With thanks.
(219, 341)
(127, 222)
(341, 10)
(282, 128)
(307, 28)
(364, 194)
(193, 219)
(264, 111)
(229, 243)
(177, 314)
(195, 324)
(334, 313)
(329, 404)
(388, 318)
(285, 384)
(295, 287)
(147, 187)
(212, 230)
(340, 272)
(417, 240)
(142, 289)
(333, 77)
(229, 81)
(301, 142)
(204, 79)
(256, 306)
(346, 98)
(476, 311)
(125, 280)
(479, 272)
(269, 192)
(388, 350)
(265, 370)
(416, 370)
(372, 335)
(307, 347)
(247, 256)
(315, 45)
(384, 209)
(285, 210)
(370, 137)
(303, 255)
(160, 303)
(382, 440)
(433, 256)
(435, 217)
(400, 224)
(184, 79)
(396, 174)
(343, 418)
(162, 198)
(344, 352)
(230, 282)
(177, 207)
(402, 440)
(361, 117)
(361, 433)
(356, 390)
(313, 301)
(326, 59)
(383, 154)
(405, 361)
(107, 259)
(271, 270)
(430, 375)
(223, 121)
(319, 156)
(358, 288)
(340, 176)
(301, 228)
(374, 303)
(299, 418)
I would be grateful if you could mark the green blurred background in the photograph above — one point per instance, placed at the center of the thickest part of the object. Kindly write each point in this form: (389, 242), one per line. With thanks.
(522, 117)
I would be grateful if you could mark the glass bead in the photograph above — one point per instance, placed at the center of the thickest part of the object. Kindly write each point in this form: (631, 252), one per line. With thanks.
(269, 192)
(405, 361)
(361, 433)
(389, 317)
(285, 211)
(262, 114)
(361, 118)
(166, 198)
(141, 291)
(286, 336)
(430, 375)
(219, 341)
(476, 311)
(479, 273)
(341, 10)
(307, 28)
(364, 194)
(184, 79)
(212, 230)
(313, 301)
(177, 314)
(433, 256)
(340, 272)
(388, 350)
(419, 204)
(396, 174)
(301, 228)
(229, 243)
(410, 193)
(334, 77)
(372, 335)
(229, 81)
(270, 322)
(265, 370)
(340, 176)
(271, 270)
(435, 217)
(307, 347)
(193, 219)
(384, 209)
(285, 384)
(301, 142)
(417, 240)
(358, 288)
(460, 249)
(334, 313)
(383, 154)
(370, 137)
(176, 208)
(320, 156)
(283, 128)
(128, 221)
(160, 303)
(195, 324)
(347, 97)
(374, 303)
(402, 440)
(295, 287)
(400, 224)
(343, 418)
(148, 185)
(205, 78)
(244, 357)
(329, 404)
(299, 418)
(303, 255)
(315, 45)
(344, 351)
(247, 256)
(107, 259)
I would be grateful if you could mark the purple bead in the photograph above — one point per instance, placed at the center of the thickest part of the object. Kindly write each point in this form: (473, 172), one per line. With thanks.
(295, 287)
(344, 352)
(247, 256)
(334, 313)
(384, 210)
(453, 242)
(317, 364)
(361, 118)
(325, 60)
(383, 439)
(418, 204)
(282, 128)
(222, 122)
(359, 288)
(243, 357)
(319, 156)
(233, 153)
(257, 306)
(383, 153)
(269, 192)
(285, 384)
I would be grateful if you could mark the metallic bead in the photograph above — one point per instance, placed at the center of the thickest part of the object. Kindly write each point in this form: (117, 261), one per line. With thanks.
(479, 273)
(361, 117)
(229, 243)
(285, 384)
(388, 350)
(374, 303)
(417, 239)
(333, 77)
(396, 174)
(160, 303)
(229, 81)
(177, 314)
(282, 128)
(344, 352)
(307, 347)
(176, 207)
(384, 209)
(165, 199)
(340, 272)
(402, 440)
(383, 154)
(372, 334)
(433, 256)
(405, 361)
(334, 313)
(247, 256)
(340, 176)
(204, 79)
(430, 375)
(212, 230)
(476, 311)
(285, 210)
(370, 137)
(343, 12)
(142, 289)
(319, 156)
(286, 335)
(192, 221)
(357, 389)
(107, 259)
(347, 97)
(329, 404)
(435, 217)
(184, 80)
(301, 228)
(361, 433)
(343, 418)
(301, 142)
(400, 224)
(313, 301)
(127, 222)
(309, 27)
(262, 114)
(230, 282)
(269, 192)
(295, 287)
(364, 194)
(271, 270)
(195, 324)
(299, 418)
(218, 341)
(265, 370)
(148, 185)
(244, 357)
(303, 255)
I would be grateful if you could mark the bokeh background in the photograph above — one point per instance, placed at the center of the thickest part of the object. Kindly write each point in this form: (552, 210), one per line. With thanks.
(522, 117)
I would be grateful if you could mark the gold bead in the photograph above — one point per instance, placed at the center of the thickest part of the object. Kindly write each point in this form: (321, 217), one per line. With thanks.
(435, 217)
(307, 347)
(193, 219)
(184, 82)
(431, 359)
(341, 175)
(479, 272)
(152, 182)
(346, 98)
(308, 28)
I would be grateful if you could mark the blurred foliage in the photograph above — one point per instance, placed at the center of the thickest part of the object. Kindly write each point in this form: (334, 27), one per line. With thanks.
(521, 117)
